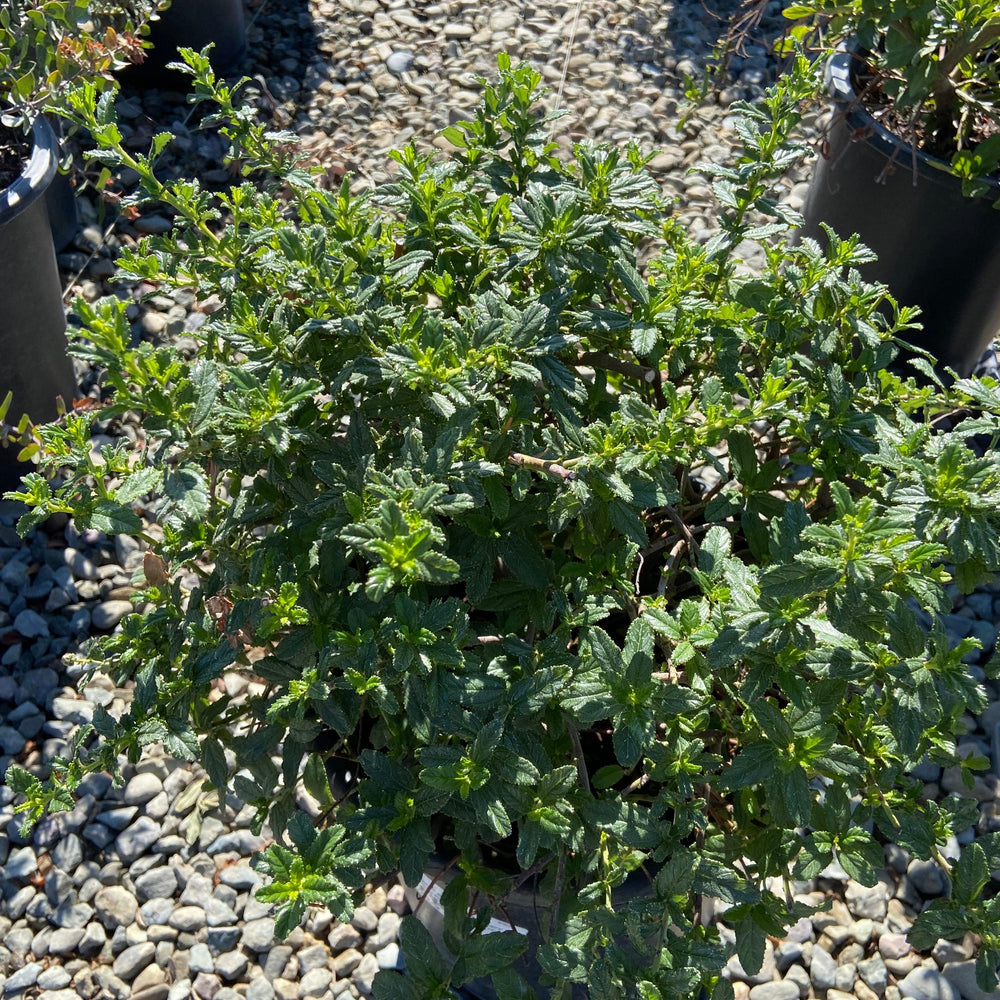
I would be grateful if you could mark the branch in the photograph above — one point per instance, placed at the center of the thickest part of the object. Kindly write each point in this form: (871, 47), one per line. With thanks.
(542, 465)
(601, 359)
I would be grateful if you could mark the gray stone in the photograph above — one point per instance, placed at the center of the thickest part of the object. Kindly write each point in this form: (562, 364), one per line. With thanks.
(231, 965)
(874, 973)
(346, 962)
(26, 976)
(18, 903)
(926, 877)
(67, 854)
(115, 907)
(21, 863)
(93, 940)
(205, 986)
(160, 991)
(893, 946)
(344, 936)
(188, 918)
(822, 970)
(388, 957)
(258, 935)
(200, 959)
(388, 931)
(927, 984)
(31, 624)
(798, 975)
(197, 891)
(133, 960)
(399, 62)
(364, 920)
(142, 788)
(241, 877)
(55, 977)
(136, 839)
(156, 910)
(945, 952)
(314, 957)
(847, 974)
(64, 940)
(119, 818)
(222, 939)
(218, 914)
(260, 989)
(156, 883)
(364, 975)
(72, 915)
(865, 902)
(277, 959)
(315, 983)
(775, 991)
(108, 614)
(11, 741)
(962, 975)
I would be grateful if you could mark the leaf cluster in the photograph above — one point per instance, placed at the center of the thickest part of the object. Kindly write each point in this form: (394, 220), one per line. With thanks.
(47, 46)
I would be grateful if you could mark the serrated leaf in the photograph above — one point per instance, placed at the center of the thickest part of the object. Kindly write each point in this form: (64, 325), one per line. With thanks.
(113, 519)
(750, 944)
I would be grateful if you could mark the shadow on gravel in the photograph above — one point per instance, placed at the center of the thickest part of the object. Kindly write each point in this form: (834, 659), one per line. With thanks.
(284, 54)
(695, 32)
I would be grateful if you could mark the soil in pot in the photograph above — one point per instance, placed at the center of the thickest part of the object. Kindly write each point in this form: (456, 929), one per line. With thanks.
(937, 249)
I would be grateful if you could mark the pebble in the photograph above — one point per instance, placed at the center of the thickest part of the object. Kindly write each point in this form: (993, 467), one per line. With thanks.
(782, 990)
(399, 62)
(133, 960)
(108, 614)
(928, 984)
(141, 789)
(115, 907)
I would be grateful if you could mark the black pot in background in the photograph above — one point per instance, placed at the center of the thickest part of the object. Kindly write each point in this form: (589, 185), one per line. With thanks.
(34, 364)
(525, 910)
(936, 248)
(60, 201)
(192, 24)
(60, 204)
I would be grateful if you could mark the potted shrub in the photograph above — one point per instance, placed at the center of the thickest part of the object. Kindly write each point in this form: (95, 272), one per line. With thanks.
(910, 160)
(44, 49)
(553, 571)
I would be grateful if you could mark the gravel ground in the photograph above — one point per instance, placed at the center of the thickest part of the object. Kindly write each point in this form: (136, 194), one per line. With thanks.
(145, 891)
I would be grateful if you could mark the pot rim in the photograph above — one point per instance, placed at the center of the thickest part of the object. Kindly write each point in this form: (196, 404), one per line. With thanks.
(37, 174)
(841, 88)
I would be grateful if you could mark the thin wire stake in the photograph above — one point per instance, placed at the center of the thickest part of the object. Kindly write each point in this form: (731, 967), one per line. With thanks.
(569, 52)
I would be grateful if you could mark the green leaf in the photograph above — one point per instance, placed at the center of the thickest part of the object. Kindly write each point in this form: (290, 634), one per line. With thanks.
(750, 943)
(205, 381)
(112, 518)
(489, 953)
(941, 919)
(391, 985)
(317, 783)
(970, 874)
(213, 759)
(424, 963)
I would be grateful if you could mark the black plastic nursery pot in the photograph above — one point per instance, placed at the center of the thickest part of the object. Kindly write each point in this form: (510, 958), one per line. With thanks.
(60, 204)
(936, 249)
(525, 910)
(192, 24)
(34, 363)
